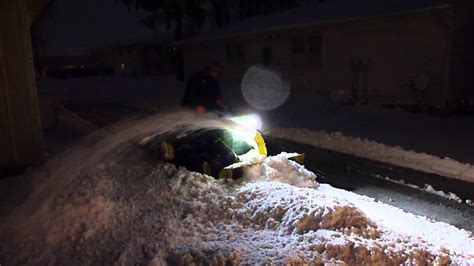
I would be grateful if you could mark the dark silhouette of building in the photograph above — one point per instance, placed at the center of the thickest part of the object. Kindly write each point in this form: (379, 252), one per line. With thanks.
(414, 53)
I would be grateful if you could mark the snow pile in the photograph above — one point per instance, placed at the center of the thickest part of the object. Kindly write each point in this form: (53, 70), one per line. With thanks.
(379, 152)
(134, 211)
(279, 168)
(449, 195)
(131, 209)
(275, 222)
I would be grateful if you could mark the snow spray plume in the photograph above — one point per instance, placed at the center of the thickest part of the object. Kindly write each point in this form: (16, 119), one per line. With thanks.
(115, 140)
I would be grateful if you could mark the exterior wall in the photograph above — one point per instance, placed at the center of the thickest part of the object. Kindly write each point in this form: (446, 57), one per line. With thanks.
(166, 60)
(127, 61)
(393, 60)
(20, 125)
(397, 61)
(142, 59)
(199, 55)
(302, 71)
(462, 55)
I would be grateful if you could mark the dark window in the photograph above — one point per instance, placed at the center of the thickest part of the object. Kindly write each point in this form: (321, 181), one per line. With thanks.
(239, 51)
(314, 44)
(229, 52)
(298, 45)
(266, 56)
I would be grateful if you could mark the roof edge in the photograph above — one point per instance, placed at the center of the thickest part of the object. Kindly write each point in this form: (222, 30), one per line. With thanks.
(273, 28)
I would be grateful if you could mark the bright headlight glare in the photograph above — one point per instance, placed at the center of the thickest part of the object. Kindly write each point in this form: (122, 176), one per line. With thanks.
(248, 121)
(244, 135)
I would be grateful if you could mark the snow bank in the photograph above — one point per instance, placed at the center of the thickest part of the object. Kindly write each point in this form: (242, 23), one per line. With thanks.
(279, 168)
(127, 208)
(428, 188)
(379, 152)
(131, 210)
(342, 225)
(268, 221)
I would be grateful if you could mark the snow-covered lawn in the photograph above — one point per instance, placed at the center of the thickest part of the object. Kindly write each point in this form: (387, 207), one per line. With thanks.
(108, 202)
(440, 136)
(379, 152)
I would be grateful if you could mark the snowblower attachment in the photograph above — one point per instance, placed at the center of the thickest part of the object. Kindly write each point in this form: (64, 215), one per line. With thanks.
(222, 153)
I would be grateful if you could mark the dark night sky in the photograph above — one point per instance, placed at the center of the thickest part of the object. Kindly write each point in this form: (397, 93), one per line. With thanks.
(74, 26)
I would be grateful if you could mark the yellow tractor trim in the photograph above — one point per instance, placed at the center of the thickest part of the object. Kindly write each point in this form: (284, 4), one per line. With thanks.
(167, 150)
(261, 147)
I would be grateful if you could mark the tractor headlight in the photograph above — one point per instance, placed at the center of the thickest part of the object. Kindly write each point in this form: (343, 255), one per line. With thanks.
(243, 135)
(246, 130)
(248, 121)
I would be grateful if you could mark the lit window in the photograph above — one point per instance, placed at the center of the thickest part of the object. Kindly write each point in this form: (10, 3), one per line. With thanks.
(122, 66)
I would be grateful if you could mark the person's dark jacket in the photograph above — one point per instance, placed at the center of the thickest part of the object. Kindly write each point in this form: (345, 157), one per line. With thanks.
(202, 89)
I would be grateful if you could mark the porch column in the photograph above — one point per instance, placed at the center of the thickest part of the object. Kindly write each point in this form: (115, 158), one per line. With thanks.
(20, 125)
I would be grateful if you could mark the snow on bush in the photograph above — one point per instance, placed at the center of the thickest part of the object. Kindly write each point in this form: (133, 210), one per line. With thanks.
(379, 152)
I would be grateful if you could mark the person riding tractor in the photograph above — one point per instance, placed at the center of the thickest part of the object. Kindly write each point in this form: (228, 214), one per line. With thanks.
(219, 152)
(203, 92)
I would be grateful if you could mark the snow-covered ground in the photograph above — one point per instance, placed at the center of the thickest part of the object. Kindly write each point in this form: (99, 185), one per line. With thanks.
(152, 92)
(440, 136)
(441, 145)
(379, 152)
(429, 188)
(106, 201)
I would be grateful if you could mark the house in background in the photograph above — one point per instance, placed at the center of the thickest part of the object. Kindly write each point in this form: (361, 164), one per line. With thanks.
(416, 52)
(126, 60)
(142, 59)
(67, 66)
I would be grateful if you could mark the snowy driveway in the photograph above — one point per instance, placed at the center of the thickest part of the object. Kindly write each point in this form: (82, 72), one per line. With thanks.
(352, 173)
(376, 180)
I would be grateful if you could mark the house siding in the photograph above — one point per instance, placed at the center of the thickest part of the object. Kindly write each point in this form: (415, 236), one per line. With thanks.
(394, 56)
(403, 60)
(142, 59)
(462, 53)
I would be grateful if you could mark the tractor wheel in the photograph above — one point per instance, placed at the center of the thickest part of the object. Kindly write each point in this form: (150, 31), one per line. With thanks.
(206, 169)
(167, 150)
